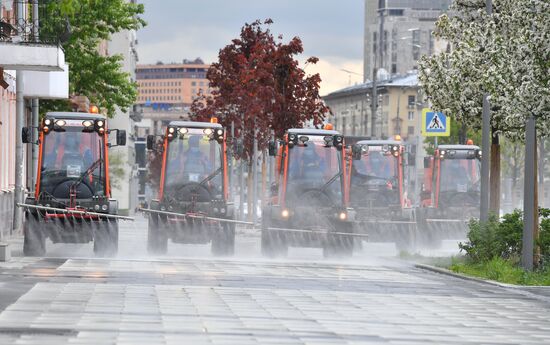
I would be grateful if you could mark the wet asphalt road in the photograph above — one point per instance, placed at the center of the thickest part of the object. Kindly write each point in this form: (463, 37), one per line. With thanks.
(189, 297)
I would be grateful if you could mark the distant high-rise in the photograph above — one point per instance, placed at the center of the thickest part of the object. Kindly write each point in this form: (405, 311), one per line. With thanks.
(408, 27)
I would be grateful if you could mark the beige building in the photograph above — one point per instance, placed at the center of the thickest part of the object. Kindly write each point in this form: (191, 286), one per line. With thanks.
(399, 110)
(171, 85)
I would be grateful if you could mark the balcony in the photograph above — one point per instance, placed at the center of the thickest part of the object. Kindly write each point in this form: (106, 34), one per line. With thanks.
(25, 46)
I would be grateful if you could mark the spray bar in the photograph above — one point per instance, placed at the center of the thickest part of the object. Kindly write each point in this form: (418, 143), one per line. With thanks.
(195, 216)
(388, 222)
(446, 221)
(317, 232)
(62, 210)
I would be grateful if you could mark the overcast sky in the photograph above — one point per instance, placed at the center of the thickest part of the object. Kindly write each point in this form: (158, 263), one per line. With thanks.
(330, 30)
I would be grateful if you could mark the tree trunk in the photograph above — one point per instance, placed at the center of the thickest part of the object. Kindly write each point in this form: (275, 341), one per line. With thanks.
(249, 190)
(494, 195)
(264, 176)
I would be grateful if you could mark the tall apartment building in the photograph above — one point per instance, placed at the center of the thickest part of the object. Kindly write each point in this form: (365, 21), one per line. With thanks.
(408, 27)
(171, 85)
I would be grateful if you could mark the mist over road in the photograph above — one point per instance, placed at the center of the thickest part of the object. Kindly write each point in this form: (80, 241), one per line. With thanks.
(190, 297)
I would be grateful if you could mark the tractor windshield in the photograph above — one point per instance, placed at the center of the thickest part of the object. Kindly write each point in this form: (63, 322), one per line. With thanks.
(460, 175)
(314, 166)
(72, 157)
(194, 158)
(376, 165)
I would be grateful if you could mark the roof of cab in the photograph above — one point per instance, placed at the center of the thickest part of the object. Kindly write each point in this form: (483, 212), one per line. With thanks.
(458, 147)
(74, 115)
(379, 142)
(194, 124)
(312, 131)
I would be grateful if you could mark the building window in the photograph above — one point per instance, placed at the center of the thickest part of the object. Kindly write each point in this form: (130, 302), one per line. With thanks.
(411, 115)
(412, 101)
(393, 68)
(395, 12)
(410, 130)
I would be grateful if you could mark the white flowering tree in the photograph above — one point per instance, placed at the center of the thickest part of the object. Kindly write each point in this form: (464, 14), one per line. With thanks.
(507, 55)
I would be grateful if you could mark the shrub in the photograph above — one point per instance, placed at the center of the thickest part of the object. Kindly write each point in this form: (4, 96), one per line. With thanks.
(502, 238)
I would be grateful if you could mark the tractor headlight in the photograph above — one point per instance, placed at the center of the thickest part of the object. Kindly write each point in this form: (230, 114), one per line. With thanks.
(87, 123)
(60, 123)
(222, 210)
(343, 215)
(208, 131)
(219, 132)
(183, 130)
(105, 207)
(285, 213)
(47, 122)
(216, 210)
(97, 207)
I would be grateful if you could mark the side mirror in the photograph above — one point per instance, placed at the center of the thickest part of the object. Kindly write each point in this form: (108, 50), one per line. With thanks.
(26, 135)
(121, 138)
(356, 152)
(150, 142)
(272, 148)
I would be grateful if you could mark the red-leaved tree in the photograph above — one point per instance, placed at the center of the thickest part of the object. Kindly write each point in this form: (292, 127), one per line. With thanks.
(260, 87)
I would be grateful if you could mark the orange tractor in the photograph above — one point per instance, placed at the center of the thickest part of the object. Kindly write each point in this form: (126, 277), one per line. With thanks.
(378, 192)
(193, 201)
(308, 205)
(72, 198)
(450, 194)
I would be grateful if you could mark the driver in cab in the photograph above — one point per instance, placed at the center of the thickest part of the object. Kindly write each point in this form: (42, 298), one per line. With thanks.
(191, 165)
(310, 166)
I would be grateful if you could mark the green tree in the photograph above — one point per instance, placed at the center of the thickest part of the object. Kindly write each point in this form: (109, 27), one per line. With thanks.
(89, 23)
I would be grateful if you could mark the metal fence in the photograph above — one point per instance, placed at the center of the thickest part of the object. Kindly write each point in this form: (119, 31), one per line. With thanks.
(6, 213)
(32, 21)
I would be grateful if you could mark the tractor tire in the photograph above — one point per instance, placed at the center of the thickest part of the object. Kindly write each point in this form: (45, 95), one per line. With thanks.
(339, 246)
(157, 238)
(34, 243)
(106, 239)
(273, 243)
(223, 240)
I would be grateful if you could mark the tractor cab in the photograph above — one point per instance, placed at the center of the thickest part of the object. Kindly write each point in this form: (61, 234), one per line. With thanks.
(193, 183)
(452, 178)
(377, 177)
(73, 177)
(309, 195)
(312, 169)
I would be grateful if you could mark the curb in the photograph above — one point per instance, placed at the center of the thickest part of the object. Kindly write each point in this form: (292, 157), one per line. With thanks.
(463, 277)
(519, 289)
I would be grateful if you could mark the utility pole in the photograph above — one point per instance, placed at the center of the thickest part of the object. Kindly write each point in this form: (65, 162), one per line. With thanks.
(485, 145)
(377, 62)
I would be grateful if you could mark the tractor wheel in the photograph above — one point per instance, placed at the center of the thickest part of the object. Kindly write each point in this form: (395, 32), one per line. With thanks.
(34, 243)
(106, 238)
(223, 240)
(157, 239)
(273, 243)
(337, 245)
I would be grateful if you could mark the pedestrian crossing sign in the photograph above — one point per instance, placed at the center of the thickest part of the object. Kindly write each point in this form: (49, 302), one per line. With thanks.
(435, 124)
